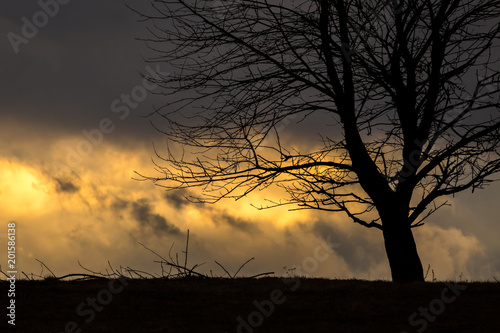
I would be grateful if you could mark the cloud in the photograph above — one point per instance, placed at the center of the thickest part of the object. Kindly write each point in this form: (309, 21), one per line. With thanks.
(176, 198)
(65, 186)
(79, 41)
(236, 223)
(142, 213)
(119, 204)
(450, 252)
(361, 249)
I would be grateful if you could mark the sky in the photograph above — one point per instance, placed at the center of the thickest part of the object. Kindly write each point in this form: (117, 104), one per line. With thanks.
(73, 131)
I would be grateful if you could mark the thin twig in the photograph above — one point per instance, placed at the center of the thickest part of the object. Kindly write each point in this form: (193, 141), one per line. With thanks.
(261, 274)
(4, 273)
(107, 276)
(427, 273)
(187, 246)
(242, 266)
(147, 248)
(90, 276)
(224, 269)
(112, 269)
(41, 262)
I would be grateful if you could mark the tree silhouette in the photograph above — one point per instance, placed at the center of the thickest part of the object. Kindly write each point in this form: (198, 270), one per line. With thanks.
(410, 89)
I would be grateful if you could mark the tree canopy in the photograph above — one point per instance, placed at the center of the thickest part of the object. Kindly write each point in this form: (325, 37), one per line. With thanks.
(410, 89)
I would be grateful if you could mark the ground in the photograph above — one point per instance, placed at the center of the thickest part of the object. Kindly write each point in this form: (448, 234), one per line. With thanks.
(245, 305)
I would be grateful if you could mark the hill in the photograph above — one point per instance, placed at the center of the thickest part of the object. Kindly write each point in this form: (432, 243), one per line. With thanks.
(246, 305)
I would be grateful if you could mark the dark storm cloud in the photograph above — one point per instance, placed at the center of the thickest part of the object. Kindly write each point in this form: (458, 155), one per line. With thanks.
(76, 65)
(66, 186)
(324, 230)
(359, 250)
(119, 204)
(142, 213)
(236, 223)
(85, 58)
(176, 198)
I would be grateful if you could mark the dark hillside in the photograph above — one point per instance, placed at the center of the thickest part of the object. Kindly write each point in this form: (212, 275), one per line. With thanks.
(253, 305)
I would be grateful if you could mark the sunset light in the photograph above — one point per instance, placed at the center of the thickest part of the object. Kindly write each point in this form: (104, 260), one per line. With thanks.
(307, 142)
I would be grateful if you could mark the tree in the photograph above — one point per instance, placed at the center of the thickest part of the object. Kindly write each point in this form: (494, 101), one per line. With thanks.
(410, 87)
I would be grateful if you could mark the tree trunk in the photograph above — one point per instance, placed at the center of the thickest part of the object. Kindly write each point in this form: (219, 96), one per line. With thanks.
(402, 251)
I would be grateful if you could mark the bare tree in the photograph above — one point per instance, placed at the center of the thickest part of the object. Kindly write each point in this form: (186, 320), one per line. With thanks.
(411, 89)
